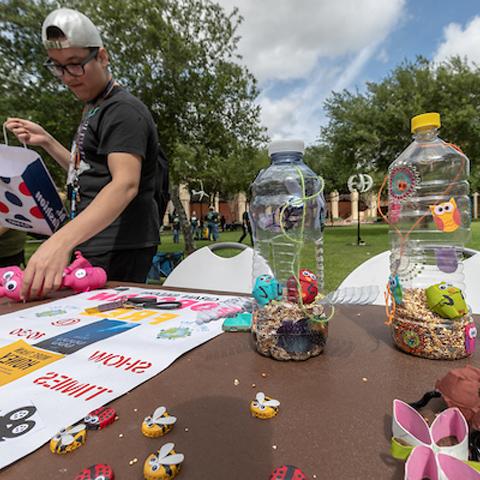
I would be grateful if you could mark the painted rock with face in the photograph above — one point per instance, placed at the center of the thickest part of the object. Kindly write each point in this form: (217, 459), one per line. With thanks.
(307, 284)
(446, 300)
(287, 472)
(99, 471)
(100, 418)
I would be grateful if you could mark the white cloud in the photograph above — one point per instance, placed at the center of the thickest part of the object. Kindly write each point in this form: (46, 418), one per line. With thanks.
(324, 44)
(465, 43)
(284, 39)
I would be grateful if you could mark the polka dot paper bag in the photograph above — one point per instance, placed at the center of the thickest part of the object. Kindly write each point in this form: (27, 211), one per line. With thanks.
(28, 197)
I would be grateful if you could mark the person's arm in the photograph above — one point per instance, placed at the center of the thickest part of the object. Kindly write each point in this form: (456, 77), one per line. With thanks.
(45, 268)
(32, 133)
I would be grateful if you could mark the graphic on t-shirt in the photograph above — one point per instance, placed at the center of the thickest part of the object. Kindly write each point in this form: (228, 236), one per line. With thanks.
(70, 342)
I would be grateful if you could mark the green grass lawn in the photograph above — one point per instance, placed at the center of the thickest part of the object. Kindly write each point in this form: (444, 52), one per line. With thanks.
(341, 255)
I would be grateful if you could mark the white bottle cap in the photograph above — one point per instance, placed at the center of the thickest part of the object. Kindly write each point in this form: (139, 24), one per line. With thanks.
(286, 146)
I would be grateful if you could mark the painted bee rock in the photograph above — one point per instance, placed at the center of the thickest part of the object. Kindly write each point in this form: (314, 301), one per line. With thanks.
(287, 472)
(158, 424)
(164, 464)
(264, 407)
(68, 439)
(99, 471)
(100, 418)
(446, 300)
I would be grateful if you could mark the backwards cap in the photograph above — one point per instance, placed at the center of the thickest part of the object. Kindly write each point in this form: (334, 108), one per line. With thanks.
(78, 29)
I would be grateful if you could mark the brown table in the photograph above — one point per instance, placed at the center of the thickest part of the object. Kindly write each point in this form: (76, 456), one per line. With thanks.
(334, 419)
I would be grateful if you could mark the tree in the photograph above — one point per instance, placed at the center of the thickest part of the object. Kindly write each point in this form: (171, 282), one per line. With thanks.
(178, 56)
(367, 131)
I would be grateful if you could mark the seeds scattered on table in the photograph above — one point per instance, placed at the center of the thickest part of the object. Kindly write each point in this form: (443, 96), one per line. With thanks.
(253, 385)
(264, 375)
(120, 435)
(364, 379)
(236, 382)
(133, 461)
(274, 447)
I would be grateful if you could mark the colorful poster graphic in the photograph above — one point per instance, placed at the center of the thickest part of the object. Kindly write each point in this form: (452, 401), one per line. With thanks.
(19, 358)
(74, 340)
(66, 366)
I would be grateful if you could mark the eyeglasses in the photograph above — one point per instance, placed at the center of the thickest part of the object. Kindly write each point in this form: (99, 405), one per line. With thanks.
(73, 69)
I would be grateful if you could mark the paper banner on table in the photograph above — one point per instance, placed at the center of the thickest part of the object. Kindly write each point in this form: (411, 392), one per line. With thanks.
(88, 359)
(28, 197)
(19, 359)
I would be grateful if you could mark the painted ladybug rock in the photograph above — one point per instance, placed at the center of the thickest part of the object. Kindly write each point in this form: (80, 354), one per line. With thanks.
(308, 286)
(99, 471)
(100, 418)
(287, 472)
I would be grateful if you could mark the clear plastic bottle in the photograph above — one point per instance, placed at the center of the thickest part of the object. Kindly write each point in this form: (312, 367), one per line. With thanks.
(429, 217)
(287, 212)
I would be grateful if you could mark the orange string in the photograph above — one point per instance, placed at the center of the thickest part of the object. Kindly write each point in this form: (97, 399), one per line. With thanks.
(390, 311)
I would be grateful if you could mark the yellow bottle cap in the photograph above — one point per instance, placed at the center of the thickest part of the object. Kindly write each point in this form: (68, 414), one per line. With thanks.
(425, 120)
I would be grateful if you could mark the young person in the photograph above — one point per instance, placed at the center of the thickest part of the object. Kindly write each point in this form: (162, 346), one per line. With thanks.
(111, 165)
(12, 247)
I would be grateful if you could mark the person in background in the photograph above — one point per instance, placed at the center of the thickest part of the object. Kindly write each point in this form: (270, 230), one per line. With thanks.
(112, 165)
(212, 224)
(176, 228)
(246, 227)
(12, 247)
(194, 225)
(223, 222)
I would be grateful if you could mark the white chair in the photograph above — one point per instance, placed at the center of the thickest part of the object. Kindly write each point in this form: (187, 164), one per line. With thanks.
(205, 270)
(376, 270)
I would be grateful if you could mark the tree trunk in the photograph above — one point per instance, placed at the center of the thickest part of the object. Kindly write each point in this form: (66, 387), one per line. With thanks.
(184, 222)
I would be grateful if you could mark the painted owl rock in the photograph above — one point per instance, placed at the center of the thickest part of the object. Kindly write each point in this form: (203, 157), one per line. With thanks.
(308, 286)
(446, 300)
(446, 216)
(266, 289)
(396, 288)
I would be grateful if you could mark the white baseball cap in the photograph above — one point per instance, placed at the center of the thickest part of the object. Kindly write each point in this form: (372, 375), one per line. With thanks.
(78, 29)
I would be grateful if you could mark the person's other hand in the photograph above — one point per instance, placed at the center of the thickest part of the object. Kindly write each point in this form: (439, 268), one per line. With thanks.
(28, 132)
(44, 270)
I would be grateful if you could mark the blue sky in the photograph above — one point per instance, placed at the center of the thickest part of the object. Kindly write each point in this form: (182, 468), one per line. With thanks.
(301, 50)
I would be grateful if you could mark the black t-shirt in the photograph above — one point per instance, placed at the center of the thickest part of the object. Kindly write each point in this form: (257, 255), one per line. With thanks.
(122, 123)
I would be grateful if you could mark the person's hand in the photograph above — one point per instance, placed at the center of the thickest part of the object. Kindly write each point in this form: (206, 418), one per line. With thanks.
(44, 270)
(28, 132)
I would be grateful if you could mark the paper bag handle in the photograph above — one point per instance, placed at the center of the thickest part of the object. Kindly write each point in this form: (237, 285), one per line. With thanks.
(5, 136)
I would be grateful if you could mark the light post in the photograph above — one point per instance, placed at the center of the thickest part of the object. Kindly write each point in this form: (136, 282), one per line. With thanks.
(361, 183)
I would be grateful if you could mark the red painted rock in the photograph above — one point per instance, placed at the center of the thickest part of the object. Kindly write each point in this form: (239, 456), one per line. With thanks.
(100, 418)
(99, 471)
(308, 285)
(287, 472)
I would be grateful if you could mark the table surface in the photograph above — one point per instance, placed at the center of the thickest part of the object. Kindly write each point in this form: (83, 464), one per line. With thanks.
(334, 420)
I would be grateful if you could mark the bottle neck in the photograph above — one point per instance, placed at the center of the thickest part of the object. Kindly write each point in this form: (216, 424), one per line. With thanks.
(426, 135)
(286, 157)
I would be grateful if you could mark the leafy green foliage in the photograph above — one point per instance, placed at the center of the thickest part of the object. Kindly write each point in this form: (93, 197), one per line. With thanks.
(178, 56)
(367, 131)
